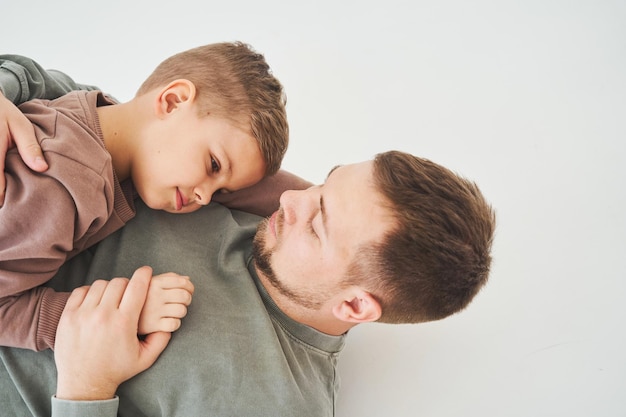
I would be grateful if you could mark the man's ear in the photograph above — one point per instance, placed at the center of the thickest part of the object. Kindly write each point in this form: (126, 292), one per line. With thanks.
(174, 96)
(359, 307)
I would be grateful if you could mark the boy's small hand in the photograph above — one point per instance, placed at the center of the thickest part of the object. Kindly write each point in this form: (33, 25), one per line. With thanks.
(166, 304)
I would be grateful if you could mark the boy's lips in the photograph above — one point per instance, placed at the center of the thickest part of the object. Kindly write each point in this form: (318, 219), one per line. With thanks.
(181, 200)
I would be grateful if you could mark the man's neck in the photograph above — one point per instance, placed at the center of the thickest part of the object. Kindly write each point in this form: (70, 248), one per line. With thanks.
(321, 319)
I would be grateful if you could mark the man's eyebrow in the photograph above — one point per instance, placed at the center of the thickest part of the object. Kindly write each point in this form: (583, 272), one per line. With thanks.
(323, 206)
(324, 216)
(332, 170)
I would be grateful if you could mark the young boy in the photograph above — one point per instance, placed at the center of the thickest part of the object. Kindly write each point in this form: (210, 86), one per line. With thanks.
(211, 119)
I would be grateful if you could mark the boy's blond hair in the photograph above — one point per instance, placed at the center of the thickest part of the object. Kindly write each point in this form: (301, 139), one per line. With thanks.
(233, 81)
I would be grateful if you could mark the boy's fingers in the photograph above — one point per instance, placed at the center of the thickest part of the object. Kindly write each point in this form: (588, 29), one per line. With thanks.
(172, 280)
(169, 324)
(179, 296)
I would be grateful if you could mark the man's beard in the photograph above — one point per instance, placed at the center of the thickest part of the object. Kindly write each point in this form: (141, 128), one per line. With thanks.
(263, 262)
(262, 255)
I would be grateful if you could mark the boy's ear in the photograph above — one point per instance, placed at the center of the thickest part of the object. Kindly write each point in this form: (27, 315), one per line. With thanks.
(359, 307)
(173, 96)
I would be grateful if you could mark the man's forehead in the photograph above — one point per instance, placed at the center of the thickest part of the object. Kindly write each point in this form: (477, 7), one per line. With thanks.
(332, 170)
(336, 167)
(350, 186)
(354, 210)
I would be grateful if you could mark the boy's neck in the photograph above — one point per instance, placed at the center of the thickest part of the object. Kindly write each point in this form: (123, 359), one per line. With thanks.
(119, 132)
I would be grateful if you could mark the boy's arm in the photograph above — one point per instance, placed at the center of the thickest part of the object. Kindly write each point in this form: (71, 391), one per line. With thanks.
(31, 251)
(29, 319)
(37, 227)
(263, 197)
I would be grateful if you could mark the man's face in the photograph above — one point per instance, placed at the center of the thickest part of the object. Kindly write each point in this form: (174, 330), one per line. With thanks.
(304, 249)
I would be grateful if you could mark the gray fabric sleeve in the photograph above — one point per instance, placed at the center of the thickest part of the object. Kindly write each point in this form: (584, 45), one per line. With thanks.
(22, 79)
(104, 408)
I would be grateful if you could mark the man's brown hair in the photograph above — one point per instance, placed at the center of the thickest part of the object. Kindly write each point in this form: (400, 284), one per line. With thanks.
(233, 81)
(437, 257)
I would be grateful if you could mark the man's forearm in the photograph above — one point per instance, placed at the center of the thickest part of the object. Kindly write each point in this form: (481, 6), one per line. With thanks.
(22, 79)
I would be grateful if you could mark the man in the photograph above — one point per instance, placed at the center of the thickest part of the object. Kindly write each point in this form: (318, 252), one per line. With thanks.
(398, 239)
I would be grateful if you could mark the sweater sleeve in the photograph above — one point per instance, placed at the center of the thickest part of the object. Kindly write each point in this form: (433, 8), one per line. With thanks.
(263, 198)
(37, 226)
(66, 408)
(22, 79)
(38, 223)
(49, 217)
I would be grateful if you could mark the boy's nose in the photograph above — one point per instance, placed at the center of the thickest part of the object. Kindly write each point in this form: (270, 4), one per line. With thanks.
(203, 193)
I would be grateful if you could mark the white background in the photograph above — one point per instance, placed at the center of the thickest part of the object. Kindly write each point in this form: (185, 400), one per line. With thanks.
(525, 97)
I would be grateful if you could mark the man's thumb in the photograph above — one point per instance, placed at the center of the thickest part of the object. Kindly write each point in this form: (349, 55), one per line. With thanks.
(153, 345)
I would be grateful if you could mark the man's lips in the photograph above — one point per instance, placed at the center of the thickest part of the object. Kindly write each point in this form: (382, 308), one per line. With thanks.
(273, 224)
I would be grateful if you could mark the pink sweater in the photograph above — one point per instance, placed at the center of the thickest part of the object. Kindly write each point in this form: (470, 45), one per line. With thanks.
(49, 217)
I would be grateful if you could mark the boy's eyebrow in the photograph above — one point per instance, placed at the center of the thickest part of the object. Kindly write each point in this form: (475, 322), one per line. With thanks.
(227, 169)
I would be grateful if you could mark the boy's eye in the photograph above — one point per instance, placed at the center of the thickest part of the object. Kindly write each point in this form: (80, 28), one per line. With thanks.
(215, 167)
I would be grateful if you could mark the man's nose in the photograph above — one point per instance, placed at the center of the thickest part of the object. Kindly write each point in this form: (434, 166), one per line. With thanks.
(296, 204)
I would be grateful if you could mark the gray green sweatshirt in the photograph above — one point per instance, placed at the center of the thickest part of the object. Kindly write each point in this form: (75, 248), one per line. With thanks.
(236, 353)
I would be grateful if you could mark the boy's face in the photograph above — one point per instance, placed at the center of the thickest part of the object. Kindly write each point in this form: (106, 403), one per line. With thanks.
(186, 158)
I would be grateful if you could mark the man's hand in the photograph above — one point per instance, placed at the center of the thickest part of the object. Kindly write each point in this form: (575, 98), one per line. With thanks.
(16, 129)
(97, 347)
(166, 304)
